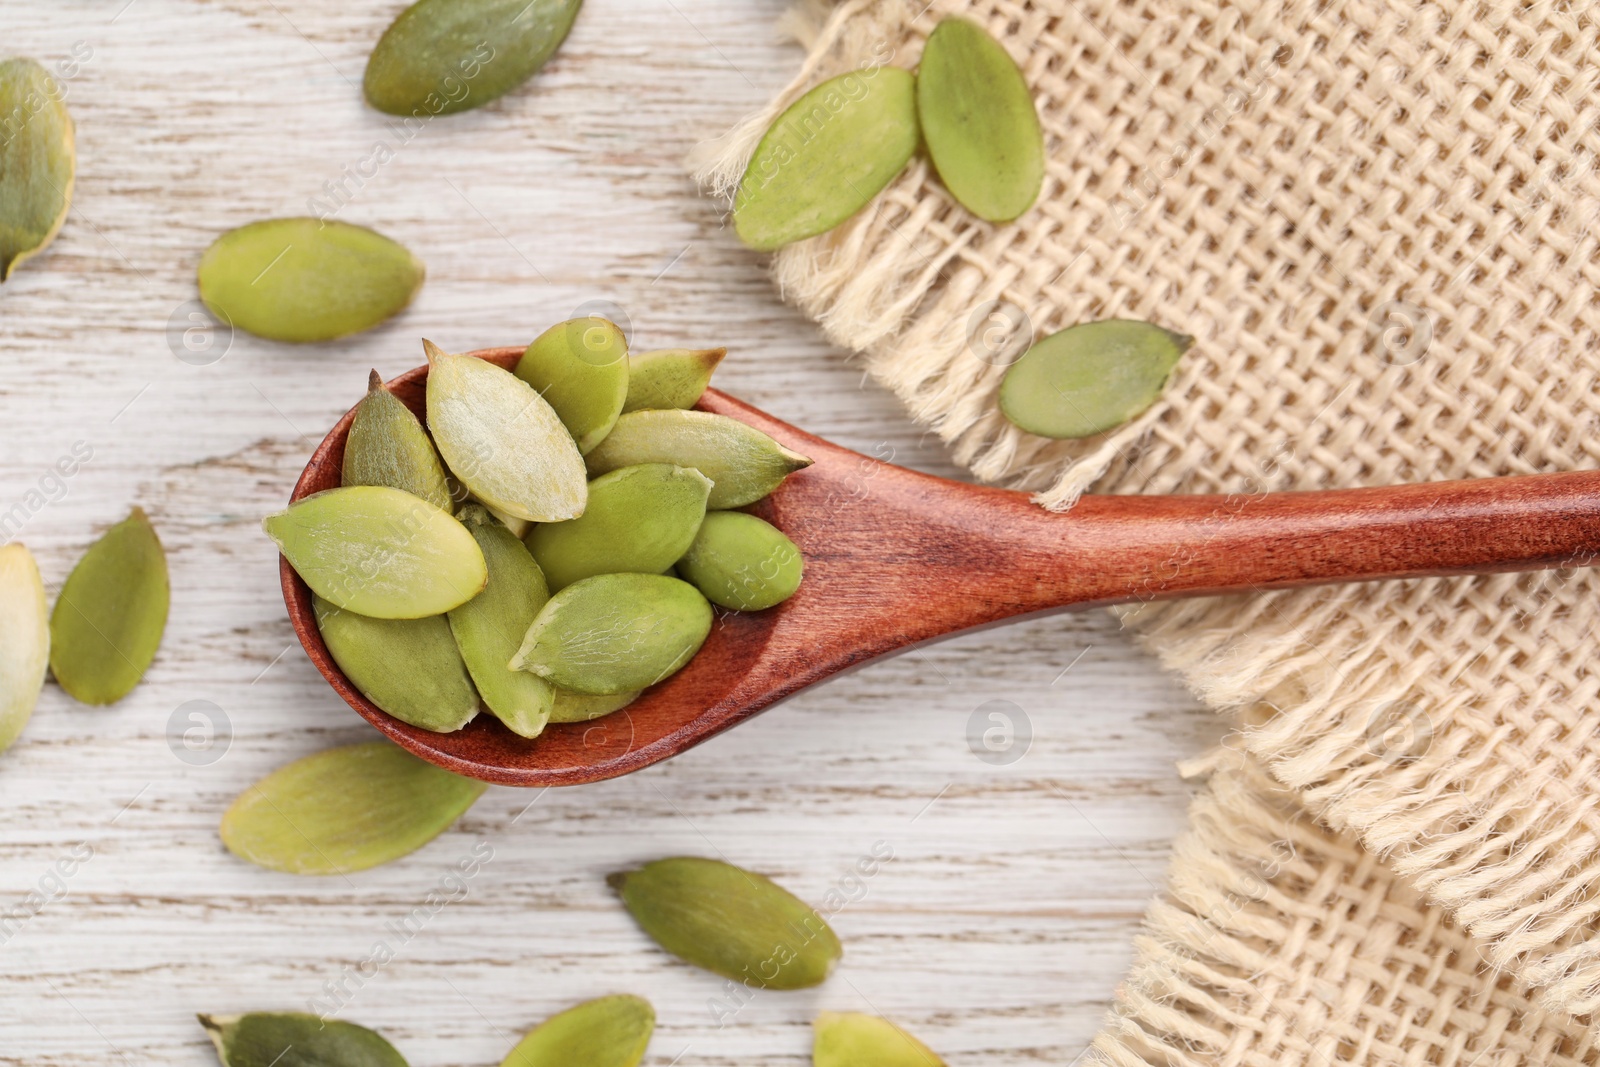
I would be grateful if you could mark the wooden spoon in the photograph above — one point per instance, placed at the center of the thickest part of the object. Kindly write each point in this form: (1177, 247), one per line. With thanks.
(894, 558)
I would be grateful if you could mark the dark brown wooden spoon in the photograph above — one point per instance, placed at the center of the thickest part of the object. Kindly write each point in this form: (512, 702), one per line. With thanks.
(894, 558)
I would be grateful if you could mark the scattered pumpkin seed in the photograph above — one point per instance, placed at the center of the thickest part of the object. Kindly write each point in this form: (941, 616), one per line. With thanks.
(444, 56)
(489, 627)
(608, 1032)
(743, 463)
(379, 551)
(408, 667)
(581, 368)
(827, 156)
(741, 562)
(303, 279)
(38, 161)
(730, 921)
(1090, 378)
(581, 707)
(388, 446)
(345, 809)
(296, 1039)
(24, 640)
(503, 440)
(615, 632)
(670, 377)
(850, 1039)
(639, 519)
(112, 611)
(979, 121)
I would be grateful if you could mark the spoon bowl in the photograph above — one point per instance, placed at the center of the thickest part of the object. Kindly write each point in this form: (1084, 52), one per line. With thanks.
(894, 558)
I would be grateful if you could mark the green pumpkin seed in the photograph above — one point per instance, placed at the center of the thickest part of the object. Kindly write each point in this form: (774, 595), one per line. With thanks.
(639, 519)
(388, 446)
(503, 440)
(670, 377)
(581, 368)
(608, 1032)
(408, 667)
(24, 640)
(615, 632)
(109, 618)
(295, 1039)
(730, 921)
(979, 121)
(851, 1039)
(741, 562)
(743, 463)
(302, 279)
(444, 56)
(380, 552)
(1090, 378)
(489, 627)
(581, 707)
(37, 161)
(346, 809)
(827, 156)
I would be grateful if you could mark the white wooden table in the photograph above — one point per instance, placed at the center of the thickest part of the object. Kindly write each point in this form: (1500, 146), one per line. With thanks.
(1004, 920)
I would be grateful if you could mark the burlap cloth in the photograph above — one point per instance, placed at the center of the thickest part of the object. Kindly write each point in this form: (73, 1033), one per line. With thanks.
(1377, 218)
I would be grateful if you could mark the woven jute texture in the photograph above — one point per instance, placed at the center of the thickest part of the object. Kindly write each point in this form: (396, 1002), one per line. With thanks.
(1378, 220)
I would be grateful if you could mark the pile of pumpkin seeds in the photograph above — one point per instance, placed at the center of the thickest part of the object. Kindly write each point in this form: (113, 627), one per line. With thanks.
(551, 544)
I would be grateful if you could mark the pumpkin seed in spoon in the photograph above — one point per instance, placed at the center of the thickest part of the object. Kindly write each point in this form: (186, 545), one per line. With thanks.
(24, 640)
(639, 519)
(979, 121)
(305, 279)
(581, 368)
(670, 377)
(296, 1039)
(850, 1039)
(345, 809)
(582, 707)
(489, 628)
(1090, 378)
(741, 562)
(410, 668)
(615, 632)
(503, 440)
(112, 611)
(743, 463)
(607, 1032)
(388, 446)
(38, 160)
(378, 551)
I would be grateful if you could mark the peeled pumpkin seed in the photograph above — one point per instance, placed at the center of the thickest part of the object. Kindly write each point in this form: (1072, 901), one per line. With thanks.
(670, 377)
(979, 121)
(850, 1039)
(729, 921)
(741, 562)
(303, 279)
(388, 446)
(296, 1039)
(639, 519)
(380, 552)
(615, 632)
(503, 440)
(827, 156)
(581, 707)
(743, 463)
(346, 809)
(24, 640)
(608, 1032)
(1090, 378)
(38, 160)
(112, 611)
(408, 667)
(489, 628)
(581, 368)
(444, 56)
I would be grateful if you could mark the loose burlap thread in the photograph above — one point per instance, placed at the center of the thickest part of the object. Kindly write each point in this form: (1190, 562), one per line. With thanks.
(1376, 218)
